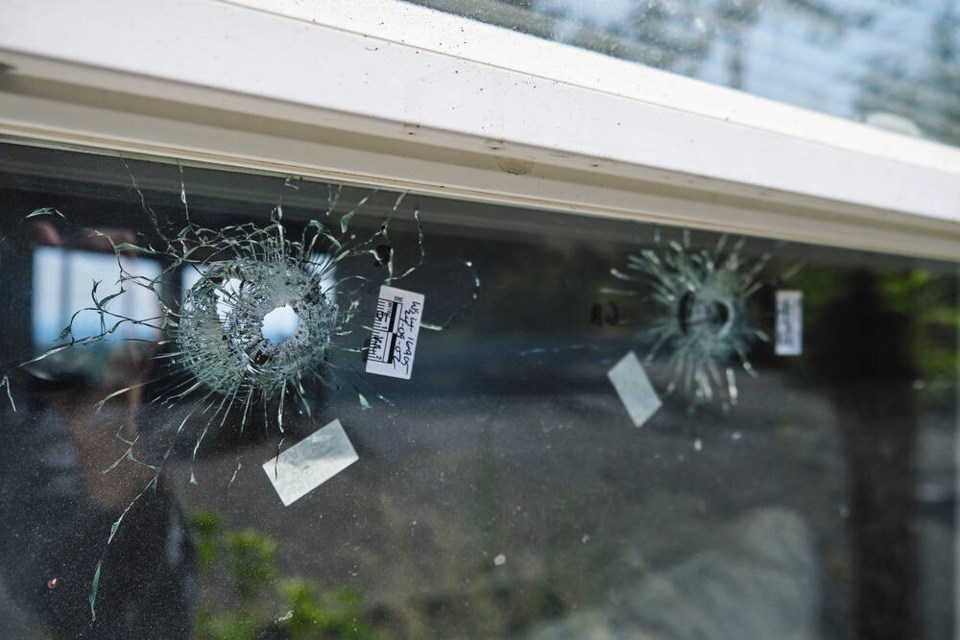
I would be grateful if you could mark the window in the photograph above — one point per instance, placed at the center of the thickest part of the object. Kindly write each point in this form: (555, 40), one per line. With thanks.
(505, 488)
(686, 361)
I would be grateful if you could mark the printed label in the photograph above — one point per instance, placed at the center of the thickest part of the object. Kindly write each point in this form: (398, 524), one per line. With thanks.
(311, 462)
(789, 323)
(395, 329)
(633, 386)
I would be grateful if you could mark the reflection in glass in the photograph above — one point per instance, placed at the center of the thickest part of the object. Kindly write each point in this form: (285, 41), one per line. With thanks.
(502, 491)
(891, 64)
(62, 286)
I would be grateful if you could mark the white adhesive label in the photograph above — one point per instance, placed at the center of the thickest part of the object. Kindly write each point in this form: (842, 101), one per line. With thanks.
(395, 329)
(634, 388)
(311, 462)
(789, 323)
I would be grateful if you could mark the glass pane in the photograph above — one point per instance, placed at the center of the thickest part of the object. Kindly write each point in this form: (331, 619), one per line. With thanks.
(889, 63)
(218, 424)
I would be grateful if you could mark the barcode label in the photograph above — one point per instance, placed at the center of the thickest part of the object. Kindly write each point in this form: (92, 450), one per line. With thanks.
(396, 325)
(789, 323)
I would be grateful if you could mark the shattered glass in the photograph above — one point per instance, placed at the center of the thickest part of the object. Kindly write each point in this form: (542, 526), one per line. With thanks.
(194, 446)
(263, 313)
(703, 323)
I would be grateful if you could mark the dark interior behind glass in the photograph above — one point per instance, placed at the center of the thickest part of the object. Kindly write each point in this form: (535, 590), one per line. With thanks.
(501, 492)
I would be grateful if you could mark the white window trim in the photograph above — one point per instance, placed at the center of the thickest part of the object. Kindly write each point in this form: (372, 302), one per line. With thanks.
(381, 92)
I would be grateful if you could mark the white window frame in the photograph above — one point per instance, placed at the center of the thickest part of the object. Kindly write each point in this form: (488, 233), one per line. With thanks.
(385, 93)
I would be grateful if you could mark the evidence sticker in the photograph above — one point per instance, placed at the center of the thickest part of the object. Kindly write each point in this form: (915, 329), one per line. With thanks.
(634, 388)
(789, 323)
(396, 325)
(306, 465)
